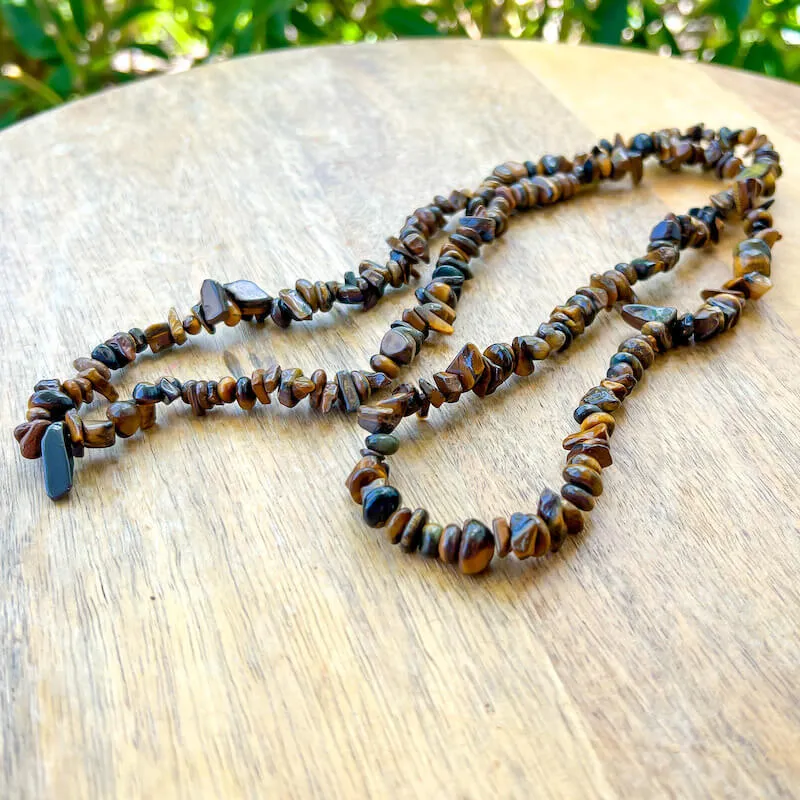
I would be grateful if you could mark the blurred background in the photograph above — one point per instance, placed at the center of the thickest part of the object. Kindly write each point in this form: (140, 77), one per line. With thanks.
(55, 50)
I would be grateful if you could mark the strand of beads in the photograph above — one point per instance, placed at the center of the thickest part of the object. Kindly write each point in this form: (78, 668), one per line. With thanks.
(512, 187)
(473, 545)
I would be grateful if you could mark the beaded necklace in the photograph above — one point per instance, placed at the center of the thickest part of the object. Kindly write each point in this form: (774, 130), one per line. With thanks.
(55, 431)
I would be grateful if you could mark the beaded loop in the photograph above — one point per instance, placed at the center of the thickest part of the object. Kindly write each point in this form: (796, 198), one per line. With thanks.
(54, 428)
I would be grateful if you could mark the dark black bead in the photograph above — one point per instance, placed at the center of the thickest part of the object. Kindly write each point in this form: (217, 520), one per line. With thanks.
(171, 389)
(644, 267)
(105, 355)
(379, 505)
(57, 461)
(451, 261)
(121, 359)
(444, 271)
(584, 410)
(684, 329)
(250, 297)
(643, 142)
(56, 402)
(668, 230)
(531, 167)
(351, 278)
(139, 339)
(281, 315)
(550, 164)
(147, 394)
(586, 174)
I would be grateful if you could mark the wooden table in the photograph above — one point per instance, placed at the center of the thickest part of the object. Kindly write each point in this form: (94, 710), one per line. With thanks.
(207, 615)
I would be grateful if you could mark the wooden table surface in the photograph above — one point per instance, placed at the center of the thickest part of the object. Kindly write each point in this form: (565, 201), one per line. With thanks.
(207, 616)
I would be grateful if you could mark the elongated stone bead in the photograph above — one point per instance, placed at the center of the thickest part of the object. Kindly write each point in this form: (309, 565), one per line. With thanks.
(57, 461)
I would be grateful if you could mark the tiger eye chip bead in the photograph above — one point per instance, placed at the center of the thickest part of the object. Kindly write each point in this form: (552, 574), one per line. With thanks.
(477, 548)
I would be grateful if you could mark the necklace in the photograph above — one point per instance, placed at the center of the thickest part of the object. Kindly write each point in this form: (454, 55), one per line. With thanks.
(55, 431)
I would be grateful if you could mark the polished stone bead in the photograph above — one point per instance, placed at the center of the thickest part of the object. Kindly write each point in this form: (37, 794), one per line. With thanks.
(467, 366)
(429, 540)
(530, 536)
(29, 435)
(57, 461)
(667, 230)
(159, 336)
(631, 360)
(294, 301)
(586, 478)
(383, 443)
(398, 346)
(98, 433)
(602, 398)
(572, 516)
(502, 536)
(105, 355)
(55, 402)
(637, 315)
(245, 396)
(476, 549)
(396, 524)
(708, 322)
(84, 364)
(638, 347)
(379, 504)
(213, 302)
(348, 396)
(147, 394)
(412, 533)
(450, 544)
(752, 255)
(550, 510)
(578, 496)
(170, 388)
(126, 418)
(250, 297)
(594, 448)
(123, 345)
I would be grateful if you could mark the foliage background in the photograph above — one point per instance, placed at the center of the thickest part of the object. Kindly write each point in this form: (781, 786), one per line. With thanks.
(54, 50)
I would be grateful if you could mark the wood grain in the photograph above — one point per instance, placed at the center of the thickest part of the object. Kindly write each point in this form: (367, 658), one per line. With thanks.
(208, 617)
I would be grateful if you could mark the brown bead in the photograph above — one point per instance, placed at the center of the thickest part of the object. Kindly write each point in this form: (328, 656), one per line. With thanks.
(148, 417)
(87, 390)
(530, 536)
(361, 384)
(30, 435)
(502, 535)
(398, 346)
(396, 524)
(413, 319)
(37, 413)
(302, 387)
(72, 389)
(329, 396)
(450, 544)
(602, 398)
(362, 476)
(245, 395)
(599, 431)
(285, 391)
(319, 378)
(477, 548)
(752, 255)
(83, 364)
(410, 538)
(449, 385)
(638, 347)
(468, 366)
(579, 497)
(159, 336)
(298, 307)
(599, 418)
(226, 389)
(584, 461)
(213, 302)
(348, 396)
(191, 325)
(126, 417)
(74, 427)
(594, 448)
(125, 344)
(572, 516)
(537, 348)
(550, 510)
(98, 433)
(708, 321)
(434, 315)
(99, 384)
(176, 327)
(257, 382)
(586, 478)
(384, 364)
(306, 290)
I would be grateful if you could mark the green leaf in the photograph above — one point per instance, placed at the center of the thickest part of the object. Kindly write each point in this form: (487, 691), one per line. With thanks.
(130, 14)
(60, 81)
(306, 26)
(612, 18)
(78, 10)
(151, 49)
(408, 21)
(28, 33)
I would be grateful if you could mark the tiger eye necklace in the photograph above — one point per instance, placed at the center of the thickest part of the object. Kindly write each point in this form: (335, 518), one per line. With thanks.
(55, 431)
